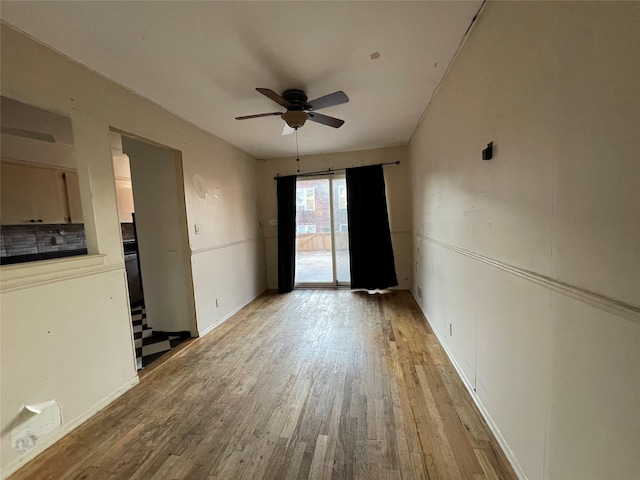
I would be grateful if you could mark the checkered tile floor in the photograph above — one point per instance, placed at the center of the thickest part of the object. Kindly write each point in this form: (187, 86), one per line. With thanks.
(151, 345)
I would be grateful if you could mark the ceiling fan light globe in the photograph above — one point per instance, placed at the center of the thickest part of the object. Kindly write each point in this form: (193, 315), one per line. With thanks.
(295, 118)
(286, 129)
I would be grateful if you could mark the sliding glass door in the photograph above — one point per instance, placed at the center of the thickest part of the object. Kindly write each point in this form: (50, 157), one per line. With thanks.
(322, 243)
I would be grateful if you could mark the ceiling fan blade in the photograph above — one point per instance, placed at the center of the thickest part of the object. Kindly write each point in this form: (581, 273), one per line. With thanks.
(286, 129)
(273, 96)
(246, 117)
(325, 120)
(335, 98)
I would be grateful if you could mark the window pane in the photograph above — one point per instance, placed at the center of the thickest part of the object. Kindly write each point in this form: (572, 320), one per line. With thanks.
(343, 274)
(311, 199)
(314, 258)
(342, 195)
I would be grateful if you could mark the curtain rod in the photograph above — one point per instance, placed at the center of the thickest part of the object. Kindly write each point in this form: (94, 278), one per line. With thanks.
(331, 171)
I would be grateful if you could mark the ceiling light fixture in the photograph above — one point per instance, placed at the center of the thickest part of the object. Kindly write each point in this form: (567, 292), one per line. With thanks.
(295, 118)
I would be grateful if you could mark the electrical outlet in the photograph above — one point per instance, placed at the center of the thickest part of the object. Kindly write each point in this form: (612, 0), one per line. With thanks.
(273, 222)
(217, 303)
(419, 292)
(197, 228)
(451, 329)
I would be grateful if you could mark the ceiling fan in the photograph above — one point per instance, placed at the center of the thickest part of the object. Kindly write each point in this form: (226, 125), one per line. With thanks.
(299, 110)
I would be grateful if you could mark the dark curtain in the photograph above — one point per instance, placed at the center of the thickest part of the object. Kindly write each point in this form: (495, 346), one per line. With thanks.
(286, 233)
(371, 254)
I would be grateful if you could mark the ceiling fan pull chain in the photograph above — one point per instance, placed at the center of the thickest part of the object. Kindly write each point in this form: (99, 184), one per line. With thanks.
(297, 154)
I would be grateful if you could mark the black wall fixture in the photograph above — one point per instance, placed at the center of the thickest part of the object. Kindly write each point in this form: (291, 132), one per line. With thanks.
(487, 153)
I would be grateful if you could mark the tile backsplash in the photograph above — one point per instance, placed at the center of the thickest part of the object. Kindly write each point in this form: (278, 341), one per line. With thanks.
(30, 239)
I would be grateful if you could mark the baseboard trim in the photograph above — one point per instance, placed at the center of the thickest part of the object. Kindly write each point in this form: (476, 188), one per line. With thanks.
(483, 411)
(609, 305)
(21, 461)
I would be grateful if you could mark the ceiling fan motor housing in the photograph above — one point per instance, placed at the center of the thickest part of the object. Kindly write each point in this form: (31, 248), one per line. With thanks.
(297, 99)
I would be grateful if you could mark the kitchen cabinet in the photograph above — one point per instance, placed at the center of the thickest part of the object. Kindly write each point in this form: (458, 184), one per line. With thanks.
(16, 208)
(73, 197)
(34, 194)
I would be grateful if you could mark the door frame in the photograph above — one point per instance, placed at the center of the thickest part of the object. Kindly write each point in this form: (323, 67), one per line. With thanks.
(182, 225)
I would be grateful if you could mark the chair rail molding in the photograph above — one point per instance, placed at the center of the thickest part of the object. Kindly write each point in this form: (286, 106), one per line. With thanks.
(615, 307)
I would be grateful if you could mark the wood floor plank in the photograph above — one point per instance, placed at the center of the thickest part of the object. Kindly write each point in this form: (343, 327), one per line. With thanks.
(293, 468)
(456, 434)
(313, 384)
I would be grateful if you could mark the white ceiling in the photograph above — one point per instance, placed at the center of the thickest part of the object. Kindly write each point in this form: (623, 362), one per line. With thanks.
(203, 60)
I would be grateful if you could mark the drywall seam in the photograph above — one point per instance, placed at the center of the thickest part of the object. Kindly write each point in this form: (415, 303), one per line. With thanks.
(483, 411)
(225, 245)
(67, 429)
(12, 285)
(615, 307)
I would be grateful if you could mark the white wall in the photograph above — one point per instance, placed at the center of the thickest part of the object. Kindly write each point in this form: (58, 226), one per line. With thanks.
(66, 329)
(398, 199)
(534, 256)
(163, 244)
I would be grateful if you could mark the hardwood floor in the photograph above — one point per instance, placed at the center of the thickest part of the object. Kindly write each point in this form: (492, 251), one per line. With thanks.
(314, 384)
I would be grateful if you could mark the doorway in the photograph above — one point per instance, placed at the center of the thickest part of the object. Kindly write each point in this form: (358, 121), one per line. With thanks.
(322, 242)
(152, 213)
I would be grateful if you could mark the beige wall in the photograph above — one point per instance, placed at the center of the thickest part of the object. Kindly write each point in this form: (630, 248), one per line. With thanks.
(507, 250)
(66, 330)
(398, 200)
